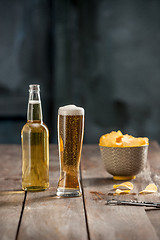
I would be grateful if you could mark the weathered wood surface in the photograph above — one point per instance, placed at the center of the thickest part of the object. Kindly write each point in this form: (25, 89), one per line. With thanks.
(47, 217)
(11, 196)
(118, 222)
(154, 163)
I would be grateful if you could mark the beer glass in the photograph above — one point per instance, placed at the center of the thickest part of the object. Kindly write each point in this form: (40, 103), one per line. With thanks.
(70, 138)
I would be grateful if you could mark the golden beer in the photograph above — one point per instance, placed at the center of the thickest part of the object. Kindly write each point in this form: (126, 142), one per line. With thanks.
(35, 146)
(70, 138)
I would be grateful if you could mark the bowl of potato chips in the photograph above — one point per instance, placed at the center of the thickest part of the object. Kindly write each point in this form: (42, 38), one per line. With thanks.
(124, 156)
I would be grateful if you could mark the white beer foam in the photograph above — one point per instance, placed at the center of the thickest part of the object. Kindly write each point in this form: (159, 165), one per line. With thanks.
(71, 110)
(34, 101)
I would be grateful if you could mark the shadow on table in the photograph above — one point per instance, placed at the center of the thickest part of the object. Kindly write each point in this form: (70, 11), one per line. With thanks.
(11, 198)
(15, 197)
(97, 181)
(10, 192)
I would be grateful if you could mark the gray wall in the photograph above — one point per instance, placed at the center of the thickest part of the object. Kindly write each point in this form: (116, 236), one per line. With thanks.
(25, 58)
(102, 55)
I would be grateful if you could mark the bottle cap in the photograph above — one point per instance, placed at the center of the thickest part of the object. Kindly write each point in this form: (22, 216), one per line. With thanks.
(34, 87)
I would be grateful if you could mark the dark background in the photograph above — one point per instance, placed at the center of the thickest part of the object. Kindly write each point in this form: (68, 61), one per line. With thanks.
(100, 54)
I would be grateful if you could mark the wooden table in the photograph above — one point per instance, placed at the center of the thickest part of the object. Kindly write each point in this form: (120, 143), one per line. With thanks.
(42, 215)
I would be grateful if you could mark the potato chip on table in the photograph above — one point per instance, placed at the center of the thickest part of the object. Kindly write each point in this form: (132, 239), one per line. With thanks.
(125, 185)
(119, 191)
(151, 188)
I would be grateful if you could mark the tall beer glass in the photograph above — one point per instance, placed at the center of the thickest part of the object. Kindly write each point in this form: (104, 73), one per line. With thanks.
(70, 138)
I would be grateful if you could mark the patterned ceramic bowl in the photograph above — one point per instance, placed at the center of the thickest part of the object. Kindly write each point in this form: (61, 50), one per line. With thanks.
(124, 162)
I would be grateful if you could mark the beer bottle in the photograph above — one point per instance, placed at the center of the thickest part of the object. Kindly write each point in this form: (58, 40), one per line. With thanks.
(35, 145)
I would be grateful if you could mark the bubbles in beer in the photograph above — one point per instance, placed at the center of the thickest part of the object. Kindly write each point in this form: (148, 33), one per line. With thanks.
(70, 135)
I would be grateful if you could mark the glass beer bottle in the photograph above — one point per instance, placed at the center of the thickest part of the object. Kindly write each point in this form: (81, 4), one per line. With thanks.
(35, 145)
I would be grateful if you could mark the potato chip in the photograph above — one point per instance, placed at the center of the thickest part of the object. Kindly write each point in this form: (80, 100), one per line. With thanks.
(151, 188)
(109, 139)
(119, 191)
(124, 185)
(117, 139)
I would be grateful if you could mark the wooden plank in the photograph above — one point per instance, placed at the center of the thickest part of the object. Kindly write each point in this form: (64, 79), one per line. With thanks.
(11, 196)
(48, 217)
(113, 222)
(66, 215)
(154, 217)
(154, 158)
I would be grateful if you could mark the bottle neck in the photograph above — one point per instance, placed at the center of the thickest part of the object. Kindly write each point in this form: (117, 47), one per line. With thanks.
(34, 112)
